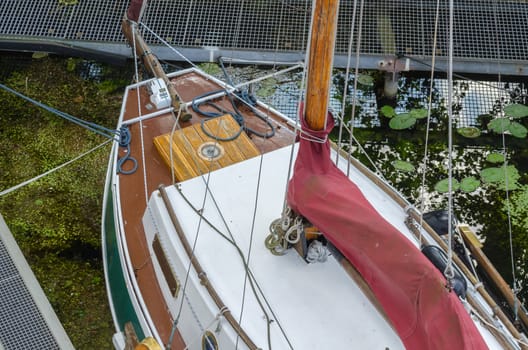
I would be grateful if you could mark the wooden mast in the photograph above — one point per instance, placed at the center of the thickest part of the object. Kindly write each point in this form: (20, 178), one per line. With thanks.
(142, 50)
(320, 60)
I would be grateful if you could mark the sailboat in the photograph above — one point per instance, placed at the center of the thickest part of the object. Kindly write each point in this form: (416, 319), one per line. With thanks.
(246, 230)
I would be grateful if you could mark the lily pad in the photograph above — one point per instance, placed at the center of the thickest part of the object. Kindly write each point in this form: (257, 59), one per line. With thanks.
(442, 186)
(402, 121)
(499, 125)
(388, 111)
(469, 132)
(418, 113)
(495, 157)
(517, 130)
(403, 166)
(38, 55)
(365, 79)
(516, 110)
(469, 184)
(501, 176)
(491, 175)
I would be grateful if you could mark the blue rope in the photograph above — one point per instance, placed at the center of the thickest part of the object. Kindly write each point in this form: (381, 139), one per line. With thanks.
(122, 136)
(124, 141)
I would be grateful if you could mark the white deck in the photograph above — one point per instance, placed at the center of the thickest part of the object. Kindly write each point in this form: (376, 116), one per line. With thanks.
(318, 305)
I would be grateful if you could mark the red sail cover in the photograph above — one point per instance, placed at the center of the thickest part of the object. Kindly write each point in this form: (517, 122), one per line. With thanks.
(409, 288)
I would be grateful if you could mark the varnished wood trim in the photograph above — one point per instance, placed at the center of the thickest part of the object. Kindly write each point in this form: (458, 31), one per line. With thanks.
(320, 61)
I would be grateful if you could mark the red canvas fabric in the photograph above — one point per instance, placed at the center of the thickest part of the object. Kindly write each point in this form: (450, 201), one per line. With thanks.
(409, 288)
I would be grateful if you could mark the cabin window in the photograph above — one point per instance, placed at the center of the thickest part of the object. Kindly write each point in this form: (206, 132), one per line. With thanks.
(209, 341)
(170, 276)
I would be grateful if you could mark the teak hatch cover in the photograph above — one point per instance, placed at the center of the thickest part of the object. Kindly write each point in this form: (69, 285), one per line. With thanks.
(194, 153)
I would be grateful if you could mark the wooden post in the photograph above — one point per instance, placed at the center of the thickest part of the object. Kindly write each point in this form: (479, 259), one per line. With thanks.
(320, 60)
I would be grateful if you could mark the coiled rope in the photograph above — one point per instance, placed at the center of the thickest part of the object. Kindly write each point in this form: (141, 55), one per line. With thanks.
(245, 97)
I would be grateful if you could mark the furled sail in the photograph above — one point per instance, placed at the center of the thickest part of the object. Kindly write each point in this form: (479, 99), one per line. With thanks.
(409, 288)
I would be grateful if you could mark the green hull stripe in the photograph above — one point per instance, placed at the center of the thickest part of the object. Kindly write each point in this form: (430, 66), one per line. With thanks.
(123, 308)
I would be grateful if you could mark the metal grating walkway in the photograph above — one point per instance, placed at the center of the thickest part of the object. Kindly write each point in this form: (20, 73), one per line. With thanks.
(27, 320)
(486, 31)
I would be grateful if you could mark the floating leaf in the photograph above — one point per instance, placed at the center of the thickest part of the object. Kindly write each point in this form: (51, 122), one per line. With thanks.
(402, 121)
(442, 186)
(469, 132)
(517, 130)
(365, 79)
(495, 157)
(491, 175)
(501, 176)
(388, 111)
(403, 166)
(499, 125)
(39, 55)
(418, 113)
(469, 184)
(516, 110)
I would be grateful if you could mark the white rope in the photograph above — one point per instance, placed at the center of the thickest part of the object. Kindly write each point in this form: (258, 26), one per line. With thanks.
(27, 182)
(136, 72)
(317, 252)
(173, 130)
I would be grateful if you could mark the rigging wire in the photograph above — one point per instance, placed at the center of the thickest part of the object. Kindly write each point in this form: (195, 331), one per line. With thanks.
(27, 182)
(354, 97)
(98, 129)
(514, 287)
(122, 136)
(429, 108)
(347, 75)
(449, 271)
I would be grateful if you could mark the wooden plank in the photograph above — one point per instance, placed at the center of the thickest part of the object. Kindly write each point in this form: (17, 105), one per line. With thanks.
(186, 161)
(188, 140)
(182, 169)
(238, 149)
(470, 236)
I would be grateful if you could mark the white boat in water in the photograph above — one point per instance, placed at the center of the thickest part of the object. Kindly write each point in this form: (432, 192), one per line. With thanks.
(240, 231)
